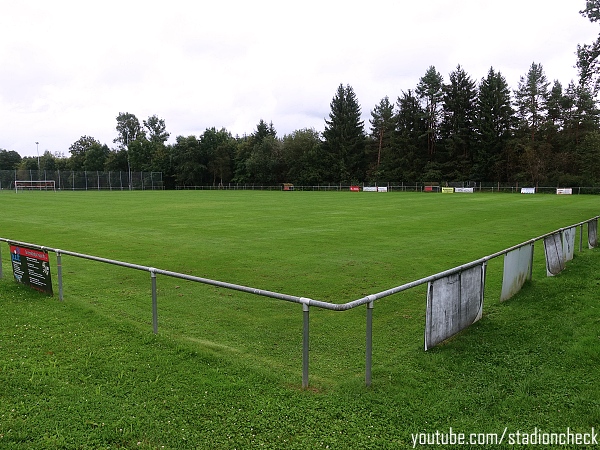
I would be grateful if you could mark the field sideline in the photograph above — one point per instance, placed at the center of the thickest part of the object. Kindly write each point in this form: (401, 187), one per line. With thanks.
(523, 364)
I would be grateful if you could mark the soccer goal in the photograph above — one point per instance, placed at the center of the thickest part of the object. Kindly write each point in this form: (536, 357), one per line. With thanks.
(40, 185)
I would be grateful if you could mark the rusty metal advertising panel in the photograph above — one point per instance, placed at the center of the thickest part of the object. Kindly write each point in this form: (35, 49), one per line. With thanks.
(593, 233)
(555, 256)
(517, 270)
(569, 242)
(453, 303)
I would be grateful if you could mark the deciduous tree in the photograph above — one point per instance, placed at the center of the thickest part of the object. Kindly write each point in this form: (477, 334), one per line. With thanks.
(304, 157)
(79, 150)
(190, 164)
(156, 130)
(219, 148)
(9, 159)
(128, 129)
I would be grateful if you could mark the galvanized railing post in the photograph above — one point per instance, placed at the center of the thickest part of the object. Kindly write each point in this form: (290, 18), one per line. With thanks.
(369, 351)
(305, 347)
(581, 237)
(59, 268)
(154, 302)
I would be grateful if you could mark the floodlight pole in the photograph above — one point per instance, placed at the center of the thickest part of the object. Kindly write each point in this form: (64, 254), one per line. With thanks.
(37, 145)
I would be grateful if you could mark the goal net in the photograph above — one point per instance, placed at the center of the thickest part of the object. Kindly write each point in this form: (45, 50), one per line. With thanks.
(40, 185)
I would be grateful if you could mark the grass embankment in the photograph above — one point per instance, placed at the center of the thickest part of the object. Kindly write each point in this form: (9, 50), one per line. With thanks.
(225, 369)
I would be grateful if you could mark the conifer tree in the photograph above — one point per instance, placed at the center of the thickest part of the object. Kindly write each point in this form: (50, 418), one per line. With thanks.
(383, 130)
(457, 128)
(588, 64)
(344, 137)
(411, 138)
(494, 123)
(531, 100)
(430, 92)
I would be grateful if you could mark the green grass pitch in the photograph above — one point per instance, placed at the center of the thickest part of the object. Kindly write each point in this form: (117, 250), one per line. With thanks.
(225, 369)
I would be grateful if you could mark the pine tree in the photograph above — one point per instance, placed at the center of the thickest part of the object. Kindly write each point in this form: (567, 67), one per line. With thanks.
(457, 128)
(587, 115)
(588, 55)
(531, 100)
(262, 131)
(534, 143)
(344, 137)
(411, 138)
(493, 128)
(555, 105)
(383, 130)
(430, 92)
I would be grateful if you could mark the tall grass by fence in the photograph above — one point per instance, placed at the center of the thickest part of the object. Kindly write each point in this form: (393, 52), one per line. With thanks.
(306, 303)
(86, 180)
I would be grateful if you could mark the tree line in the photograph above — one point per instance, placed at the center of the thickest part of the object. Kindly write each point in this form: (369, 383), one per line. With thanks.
(441, 130)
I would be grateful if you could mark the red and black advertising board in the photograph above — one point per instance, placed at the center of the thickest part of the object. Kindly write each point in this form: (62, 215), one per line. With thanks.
(31, 267)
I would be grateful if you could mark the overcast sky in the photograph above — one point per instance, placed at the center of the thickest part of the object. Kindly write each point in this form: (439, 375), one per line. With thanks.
(67, 68)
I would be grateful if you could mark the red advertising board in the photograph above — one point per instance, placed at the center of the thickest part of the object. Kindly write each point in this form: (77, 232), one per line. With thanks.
(31, 267)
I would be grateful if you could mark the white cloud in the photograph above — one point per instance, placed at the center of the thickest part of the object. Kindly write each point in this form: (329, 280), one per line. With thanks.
(69, 67)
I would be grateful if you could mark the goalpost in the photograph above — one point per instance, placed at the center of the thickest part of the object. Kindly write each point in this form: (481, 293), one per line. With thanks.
(45, 185)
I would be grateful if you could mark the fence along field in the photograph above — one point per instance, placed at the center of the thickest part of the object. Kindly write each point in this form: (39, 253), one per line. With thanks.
(74, 180)
(454, 296)
(133, 180)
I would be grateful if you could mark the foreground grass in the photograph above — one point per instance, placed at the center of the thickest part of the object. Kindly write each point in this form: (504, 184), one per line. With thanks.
(73, 378)
(224, 371)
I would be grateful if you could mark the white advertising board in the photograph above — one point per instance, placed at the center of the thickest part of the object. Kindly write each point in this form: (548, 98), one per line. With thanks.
(517, 270)
(592, 233)
(569, 242)
(555, 255)
(453, 303)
